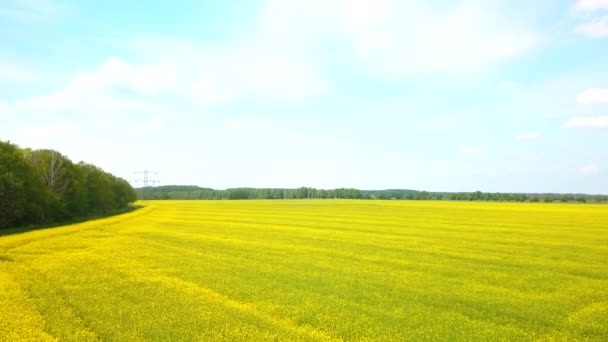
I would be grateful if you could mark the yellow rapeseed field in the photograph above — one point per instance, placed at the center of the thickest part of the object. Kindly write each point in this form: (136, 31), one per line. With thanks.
(312, 270)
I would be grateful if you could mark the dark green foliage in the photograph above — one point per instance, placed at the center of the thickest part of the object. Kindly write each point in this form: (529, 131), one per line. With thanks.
(179, 192)
(240, 193)
(12, 199)
(190, 192)
(44, 186)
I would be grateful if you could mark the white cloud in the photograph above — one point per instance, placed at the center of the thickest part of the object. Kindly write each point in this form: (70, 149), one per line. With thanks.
(594, 95)
(587, 122)
(282, 58)
(590, 5)
(596, 28)
(13, 73)
(102, 92)
(463, 39)
(437, 124)
(510, 85)
(473, 149)
(120, 101)
(47, 134)
(589, 97)
(590, 169)
(50, 131)
(146, 79)
(31, 10)
(5, 110)
(246, 124)
(273, 76)
(81, 103)
(110, 103)
(211, 75)
(527, 136)
(153, 125)
(396, 38)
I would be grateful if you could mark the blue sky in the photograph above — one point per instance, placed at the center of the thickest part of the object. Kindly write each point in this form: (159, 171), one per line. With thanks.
(448, 95)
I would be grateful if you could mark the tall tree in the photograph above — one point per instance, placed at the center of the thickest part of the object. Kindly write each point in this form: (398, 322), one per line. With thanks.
(53, 168)
(44, 186)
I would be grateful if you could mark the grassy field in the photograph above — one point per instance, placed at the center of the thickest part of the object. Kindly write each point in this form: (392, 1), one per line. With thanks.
(313, 270)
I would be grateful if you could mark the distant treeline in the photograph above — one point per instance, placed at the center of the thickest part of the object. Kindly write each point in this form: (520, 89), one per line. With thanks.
(195, 192)
(44, 186)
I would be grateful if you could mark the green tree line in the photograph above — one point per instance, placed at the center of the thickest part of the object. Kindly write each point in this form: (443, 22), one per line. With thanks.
(194, 192)
(44, 186)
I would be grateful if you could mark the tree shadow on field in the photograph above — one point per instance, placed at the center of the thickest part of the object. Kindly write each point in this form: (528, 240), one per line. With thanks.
(29, 228)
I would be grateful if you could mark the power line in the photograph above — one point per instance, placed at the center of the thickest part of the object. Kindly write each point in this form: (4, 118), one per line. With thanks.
(147, 180)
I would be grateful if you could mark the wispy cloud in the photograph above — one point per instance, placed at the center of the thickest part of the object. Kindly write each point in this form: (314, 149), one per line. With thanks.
(438, 124)
(590, 5)
(246, 124)
(527, 136)
(30, 10)
(146, 79)
(14, 73)
(212, 75)
(587, 122)
(153, 125)
(593, 95)
(102, 91)
(332, 85)
(473, 149)
(590, 169)
(398, 38)
(4, 109)
(587, 98)
(596, 24)
(50, 131)
(596, 28)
